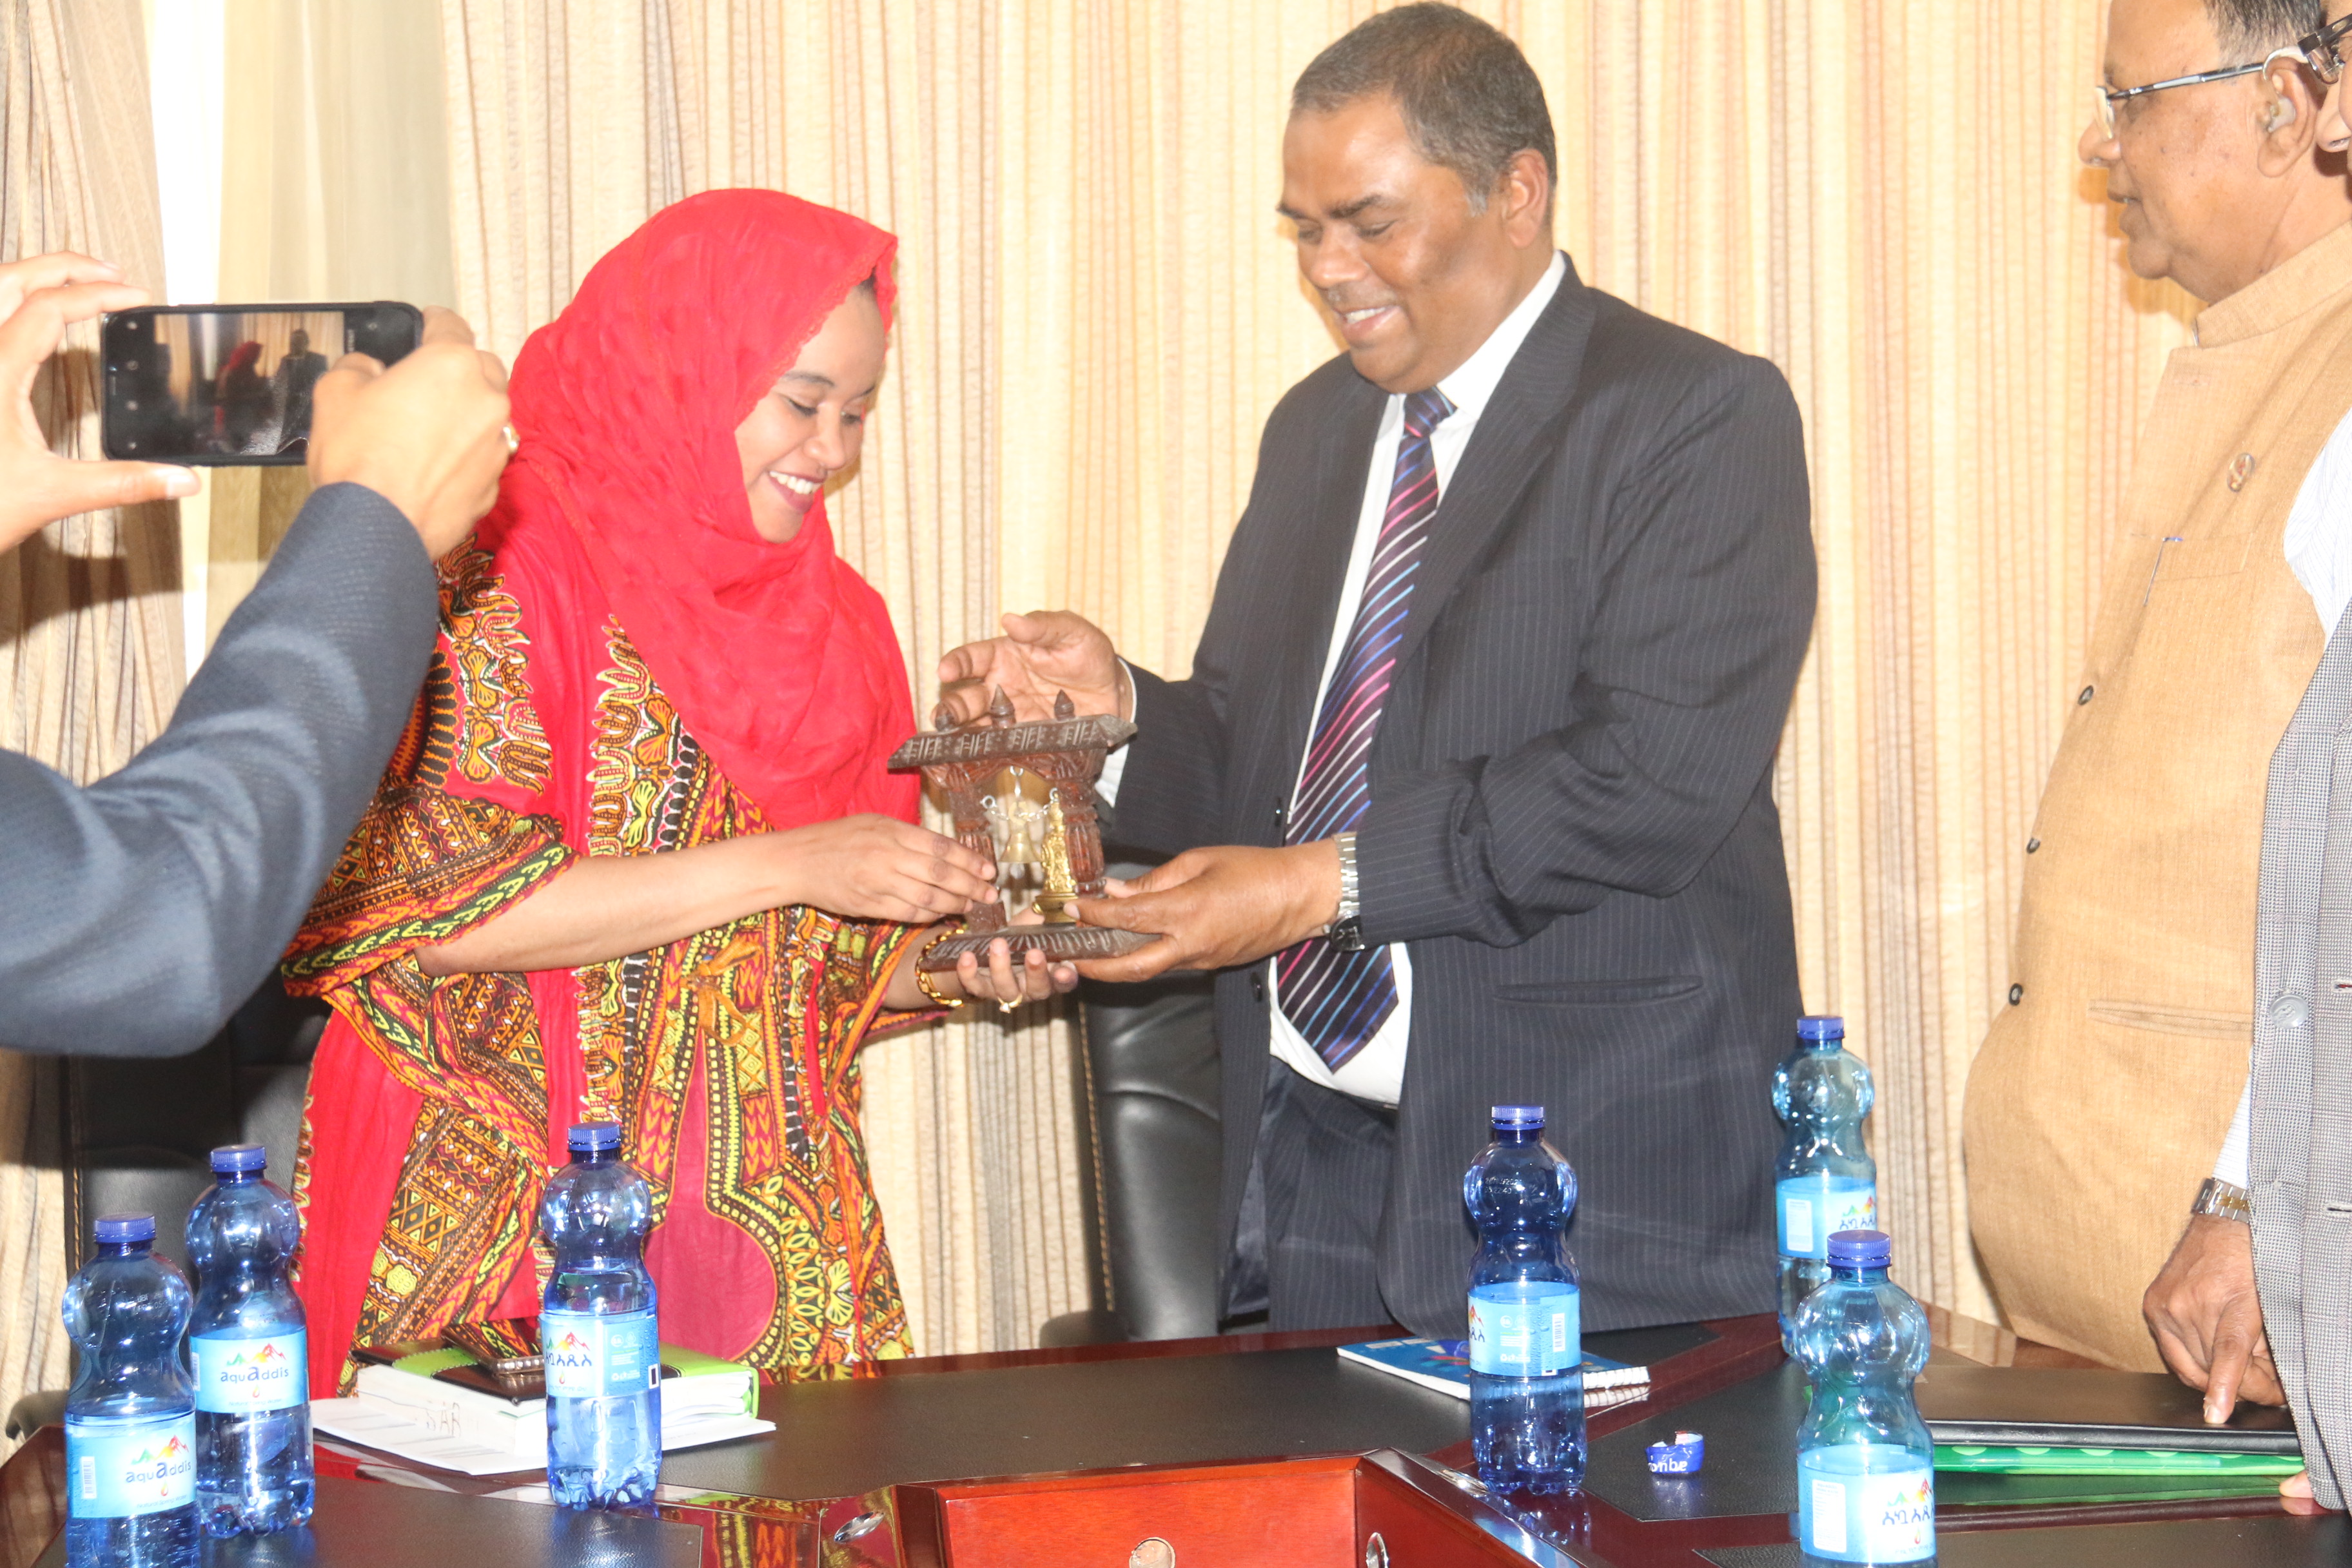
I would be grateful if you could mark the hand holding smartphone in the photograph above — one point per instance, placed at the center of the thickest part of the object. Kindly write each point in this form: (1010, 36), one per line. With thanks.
(221, 385)
(40, 299)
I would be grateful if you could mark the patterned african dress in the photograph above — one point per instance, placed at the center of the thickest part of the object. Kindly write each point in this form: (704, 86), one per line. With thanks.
(729, 1058)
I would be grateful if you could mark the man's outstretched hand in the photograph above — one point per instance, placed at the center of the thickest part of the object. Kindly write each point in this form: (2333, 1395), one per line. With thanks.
(1041, 654)
(1214, 909)
(40, 297)
(428, 435)
(2208, 1320)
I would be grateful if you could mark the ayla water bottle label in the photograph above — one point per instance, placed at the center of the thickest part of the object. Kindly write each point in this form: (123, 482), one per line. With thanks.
(1889, 1517)
(240, 1376)
(1529, 1328)
(117, 1469)
(594, 1355)
(1815, 1208)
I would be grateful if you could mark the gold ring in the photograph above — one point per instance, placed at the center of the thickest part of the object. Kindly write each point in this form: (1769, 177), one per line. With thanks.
(514, 442)
(1004, 1006)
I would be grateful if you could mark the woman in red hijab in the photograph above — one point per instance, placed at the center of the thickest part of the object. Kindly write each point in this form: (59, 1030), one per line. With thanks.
(637, 858)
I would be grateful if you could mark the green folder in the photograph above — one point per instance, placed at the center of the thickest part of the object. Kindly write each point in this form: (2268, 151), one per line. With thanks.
(1984, 1458)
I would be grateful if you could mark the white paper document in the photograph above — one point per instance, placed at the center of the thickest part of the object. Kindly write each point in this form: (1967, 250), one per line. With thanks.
(372, 1426)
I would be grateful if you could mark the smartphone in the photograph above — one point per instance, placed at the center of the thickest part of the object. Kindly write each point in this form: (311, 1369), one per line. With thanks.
(216, 386)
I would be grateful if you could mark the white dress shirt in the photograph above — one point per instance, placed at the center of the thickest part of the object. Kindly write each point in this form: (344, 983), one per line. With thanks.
(2318, 544)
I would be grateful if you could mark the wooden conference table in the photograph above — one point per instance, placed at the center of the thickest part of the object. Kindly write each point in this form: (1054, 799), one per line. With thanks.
(1256, 1406)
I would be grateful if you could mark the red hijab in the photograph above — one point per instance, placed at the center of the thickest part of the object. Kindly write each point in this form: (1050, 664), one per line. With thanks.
(779, 658)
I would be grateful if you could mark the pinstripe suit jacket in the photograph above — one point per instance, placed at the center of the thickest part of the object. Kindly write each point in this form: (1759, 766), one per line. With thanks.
(138, 912)
(2302, 1146)
(1572, 820)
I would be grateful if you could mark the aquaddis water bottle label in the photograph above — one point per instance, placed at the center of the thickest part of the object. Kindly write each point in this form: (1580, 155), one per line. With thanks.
(1526, 1328)
(1846, 1516)
(1815, 1208)
(240, 1376)
(594, 1355)
(115, 1469)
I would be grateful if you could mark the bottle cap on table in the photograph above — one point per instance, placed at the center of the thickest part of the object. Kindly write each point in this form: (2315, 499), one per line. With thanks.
(594, 1137)
(1861, 1249)
(237, 1158)
(114, 1230)
(1682, 1457)
(1518, 1118)
(1821, 1026)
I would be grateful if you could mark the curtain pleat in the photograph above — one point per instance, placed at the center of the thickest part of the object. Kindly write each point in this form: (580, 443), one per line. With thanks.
(90, 614)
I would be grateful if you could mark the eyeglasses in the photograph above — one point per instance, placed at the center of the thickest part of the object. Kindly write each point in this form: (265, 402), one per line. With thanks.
(2110, 98)
(2322, 50)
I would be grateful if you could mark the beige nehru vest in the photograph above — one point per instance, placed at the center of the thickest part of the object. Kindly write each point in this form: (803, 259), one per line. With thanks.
(2107, 1081)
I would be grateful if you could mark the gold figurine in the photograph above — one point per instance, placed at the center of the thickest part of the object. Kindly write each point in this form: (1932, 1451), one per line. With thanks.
(1061, 886)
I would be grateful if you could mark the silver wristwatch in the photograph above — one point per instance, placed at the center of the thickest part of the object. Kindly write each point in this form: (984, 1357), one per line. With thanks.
(1345, 930)
(2223, 1200)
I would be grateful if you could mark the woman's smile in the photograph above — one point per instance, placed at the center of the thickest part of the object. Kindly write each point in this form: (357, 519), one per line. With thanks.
(798, 491)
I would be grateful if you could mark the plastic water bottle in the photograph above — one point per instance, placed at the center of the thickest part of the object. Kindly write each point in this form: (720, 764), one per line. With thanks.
(1527, 1347)
(596, 1328)
(1826, 1181)
(130, 1417)
(1866, 1464)
(249, 1351)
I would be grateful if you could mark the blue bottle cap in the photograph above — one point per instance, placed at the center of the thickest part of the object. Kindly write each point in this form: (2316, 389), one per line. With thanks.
(594, 1137)
(1861, 1249)
(114, 1230)
(1821, 1026)
(238, 1158)
(1518, 1118)
(1685, 1455)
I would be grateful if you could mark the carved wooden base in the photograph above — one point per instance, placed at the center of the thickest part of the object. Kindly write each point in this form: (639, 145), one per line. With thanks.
(1063, 945)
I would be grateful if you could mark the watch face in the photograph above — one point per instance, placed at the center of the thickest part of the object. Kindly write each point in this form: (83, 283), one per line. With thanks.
(1347, 935)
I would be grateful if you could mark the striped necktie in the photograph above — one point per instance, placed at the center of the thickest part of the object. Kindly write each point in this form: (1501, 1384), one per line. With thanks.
(1338, 1000)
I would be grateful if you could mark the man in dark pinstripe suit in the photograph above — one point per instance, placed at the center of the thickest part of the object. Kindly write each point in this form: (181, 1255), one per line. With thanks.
(1469, 790)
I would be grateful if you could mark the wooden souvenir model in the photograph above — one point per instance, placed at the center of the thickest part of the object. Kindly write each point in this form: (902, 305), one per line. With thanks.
(1024, 795)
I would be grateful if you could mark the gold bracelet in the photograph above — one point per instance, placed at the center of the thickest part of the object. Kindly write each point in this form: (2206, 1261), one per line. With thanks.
(923, 980)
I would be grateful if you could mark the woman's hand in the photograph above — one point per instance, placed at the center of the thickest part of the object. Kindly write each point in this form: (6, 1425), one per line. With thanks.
(1009, 983)
(879, 869)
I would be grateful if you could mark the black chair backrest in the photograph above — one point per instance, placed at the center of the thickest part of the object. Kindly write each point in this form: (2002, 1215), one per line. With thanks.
(1152, 1054)
(138, 1132)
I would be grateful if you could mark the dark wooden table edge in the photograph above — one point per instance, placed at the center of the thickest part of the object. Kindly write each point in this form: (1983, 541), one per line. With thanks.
(1581, 1527)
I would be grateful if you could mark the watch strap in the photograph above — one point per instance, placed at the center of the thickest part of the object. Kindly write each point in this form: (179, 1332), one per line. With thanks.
(2224, 1200)
(1350, 903)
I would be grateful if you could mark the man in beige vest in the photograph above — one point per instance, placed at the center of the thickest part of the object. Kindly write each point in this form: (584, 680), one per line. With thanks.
(2105, 1085)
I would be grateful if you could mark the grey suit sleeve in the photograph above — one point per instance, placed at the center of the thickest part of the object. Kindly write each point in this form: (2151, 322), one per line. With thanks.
(136, 913)
(1705, 601)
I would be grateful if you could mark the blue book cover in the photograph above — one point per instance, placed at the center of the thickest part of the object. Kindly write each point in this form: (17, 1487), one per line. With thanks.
(1444, 1365)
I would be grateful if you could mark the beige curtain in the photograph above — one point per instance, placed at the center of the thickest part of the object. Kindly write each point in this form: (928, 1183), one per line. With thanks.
(1101, 307)
(89, 615)
(334, 186)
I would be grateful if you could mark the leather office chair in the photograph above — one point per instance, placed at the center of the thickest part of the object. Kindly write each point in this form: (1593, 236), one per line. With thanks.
(1151, 1065)
(1152, 1052)
(138, 1132)
(135, 1136)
